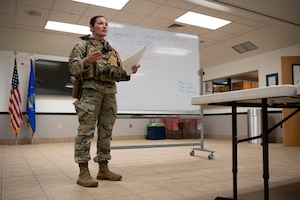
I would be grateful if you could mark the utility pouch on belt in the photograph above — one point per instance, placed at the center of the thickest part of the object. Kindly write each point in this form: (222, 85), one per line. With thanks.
(77, 86)
(112, 73)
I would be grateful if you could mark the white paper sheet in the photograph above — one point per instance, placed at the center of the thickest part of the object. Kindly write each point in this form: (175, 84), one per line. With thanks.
(133, 60)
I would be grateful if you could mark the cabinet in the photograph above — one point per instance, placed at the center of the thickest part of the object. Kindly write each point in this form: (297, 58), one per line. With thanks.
(223, 88)
(221, 85)
(242, 85)
(254, 84)
(291, 127)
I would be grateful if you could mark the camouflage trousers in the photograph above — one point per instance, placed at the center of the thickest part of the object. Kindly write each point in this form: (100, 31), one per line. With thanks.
(94, 109)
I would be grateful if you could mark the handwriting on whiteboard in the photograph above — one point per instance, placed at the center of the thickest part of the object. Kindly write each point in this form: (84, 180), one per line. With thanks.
(186, 87)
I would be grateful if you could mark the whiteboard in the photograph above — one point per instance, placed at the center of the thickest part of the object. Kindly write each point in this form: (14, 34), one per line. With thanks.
(168, 77)
(165, 83)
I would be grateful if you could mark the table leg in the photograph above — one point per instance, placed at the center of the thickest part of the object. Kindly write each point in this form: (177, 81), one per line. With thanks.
(234, 149)
(234, 153)
(196, 126)
(265, 142)
(181, 127)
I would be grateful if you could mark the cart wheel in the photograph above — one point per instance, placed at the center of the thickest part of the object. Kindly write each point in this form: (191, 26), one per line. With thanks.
(192, 153)
(211, 156)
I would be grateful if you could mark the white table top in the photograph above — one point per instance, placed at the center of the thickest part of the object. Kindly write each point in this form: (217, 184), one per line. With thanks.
(277, 95)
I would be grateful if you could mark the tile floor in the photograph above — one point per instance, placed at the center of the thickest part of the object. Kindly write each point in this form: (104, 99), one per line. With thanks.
(48, 172)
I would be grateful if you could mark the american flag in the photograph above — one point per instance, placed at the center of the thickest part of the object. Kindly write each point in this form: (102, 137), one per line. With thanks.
(14, 108)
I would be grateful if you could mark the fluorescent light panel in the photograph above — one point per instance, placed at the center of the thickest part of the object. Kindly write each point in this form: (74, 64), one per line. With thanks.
(201, 20)
(113, 4)
(65, 27)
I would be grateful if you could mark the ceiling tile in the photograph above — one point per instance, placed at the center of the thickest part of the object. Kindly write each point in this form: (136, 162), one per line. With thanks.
(29, 23)
(7, 20)
(46, 4)
(11, 1)
(198, 30)
(97, 10)
(70, 7)
(7, 8)
(233, 28)
(154, 22)
(179, 4)
(23, 11)
(205, 11)
(127, 17)
(168, 12)
(282, 9)
(64, 17)
(216, 35)
(141, 7)
(206, 42)
(245, 30)
(160, 1)
(83, 20)
(227, 16)
(248, 22)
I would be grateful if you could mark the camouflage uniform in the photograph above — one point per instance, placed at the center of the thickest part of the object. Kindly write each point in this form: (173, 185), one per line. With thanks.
(97, 104)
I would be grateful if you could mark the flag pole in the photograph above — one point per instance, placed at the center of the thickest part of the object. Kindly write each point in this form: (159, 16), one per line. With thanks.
(30, 105)
(16, 135)
(32, 133)
(14, 108)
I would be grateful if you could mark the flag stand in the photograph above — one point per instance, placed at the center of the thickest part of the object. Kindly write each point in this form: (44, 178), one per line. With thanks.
(16, 141)
(32, 138)
(14, 108)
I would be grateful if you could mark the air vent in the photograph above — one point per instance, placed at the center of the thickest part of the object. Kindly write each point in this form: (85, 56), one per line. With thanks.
(175, 26)
(244, 47)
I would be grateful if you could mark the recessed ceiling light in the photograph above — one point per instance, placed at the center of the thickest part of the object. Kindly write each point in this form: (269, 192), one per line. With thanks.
(113, 4)
(65, 27)
(33, 13)
(201, 20)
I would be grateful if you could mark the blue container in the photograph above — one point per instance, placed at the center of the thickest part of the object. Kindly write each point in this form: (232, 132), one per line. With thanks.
(156, 131)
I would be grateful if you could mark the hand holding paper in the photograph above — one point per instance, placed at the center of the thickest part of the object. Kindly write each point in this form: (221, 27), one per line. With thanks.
(135, 68)
(133, 61)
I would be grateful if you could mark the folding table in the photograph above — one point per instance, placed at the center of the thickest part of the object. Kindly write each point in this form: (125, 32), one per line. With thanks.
(278, 96)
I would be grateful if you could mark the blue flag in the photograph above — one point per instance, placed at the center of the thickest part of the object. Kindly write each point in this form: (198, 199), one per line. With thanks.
(30, 105)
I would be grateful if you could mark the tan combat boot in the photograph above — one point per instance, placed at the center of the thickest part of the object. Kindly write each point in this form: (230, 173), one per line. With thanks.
(105, 174)
(84, 177)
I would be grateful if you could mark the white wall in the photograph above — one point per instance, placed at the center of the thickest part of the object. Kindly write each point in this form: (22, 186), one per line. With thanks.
(219, 126)
(61, 126)
(267, 63)
(48, 125)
